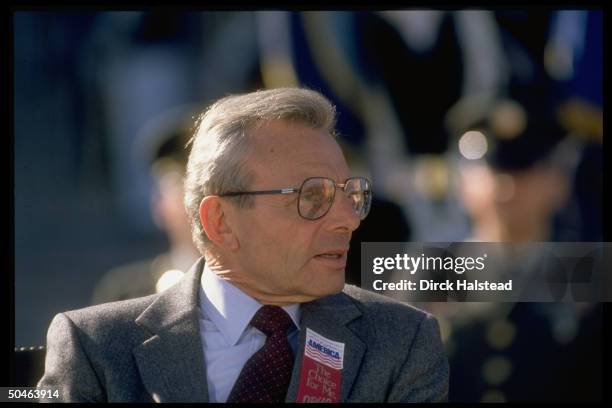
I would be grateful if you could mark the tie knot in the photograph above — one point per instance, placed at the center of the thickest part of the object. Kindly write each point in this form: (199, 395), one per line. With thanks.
(271, 319)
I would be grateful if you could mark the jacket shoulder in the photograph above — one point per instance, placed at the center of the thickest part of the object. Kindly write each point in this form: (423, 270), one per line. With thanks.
(102, 319)
(388, 321)
(405, 340)
(374, 304)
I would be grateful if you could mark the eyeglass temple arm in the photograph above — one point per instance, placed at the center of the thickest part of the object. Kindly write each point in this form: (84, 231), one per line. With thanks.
(283, 191)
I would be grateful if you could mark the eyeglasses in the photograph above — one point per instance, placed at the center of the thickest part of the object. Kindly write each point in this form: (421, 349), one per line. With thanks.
(316, 195)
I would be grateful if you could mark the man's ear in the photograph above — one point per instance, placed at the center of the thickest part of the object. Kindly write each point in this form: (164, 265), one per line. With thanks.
(213, 218)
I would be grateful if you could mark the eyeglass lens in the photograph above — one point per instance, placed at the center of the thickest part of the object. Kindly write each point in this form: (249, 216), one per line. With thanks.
(317, 197)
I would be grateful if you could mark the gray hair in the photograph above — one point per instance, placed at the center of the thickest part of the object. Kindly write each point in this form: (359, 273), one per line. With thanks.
(220, 143)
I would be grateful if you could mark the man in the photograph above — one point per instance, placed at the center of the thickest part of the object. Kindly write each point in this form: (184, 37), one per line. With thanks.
(267, 317)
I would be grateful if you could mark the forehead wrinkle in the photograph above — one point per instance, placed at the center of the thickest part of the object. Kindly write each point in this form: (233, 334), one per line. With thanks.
(281, 150)
(311, 161)
(307, 169)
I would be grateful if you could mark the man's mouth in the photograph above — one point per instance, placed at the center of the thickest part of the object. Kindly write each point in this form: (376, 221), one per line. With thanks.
(330, 256)
(335, 259)
(335, 253)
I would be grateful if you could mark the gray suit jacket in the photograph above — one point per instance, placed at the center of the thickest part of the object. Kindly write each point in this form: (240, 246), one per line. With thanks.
(149, 349)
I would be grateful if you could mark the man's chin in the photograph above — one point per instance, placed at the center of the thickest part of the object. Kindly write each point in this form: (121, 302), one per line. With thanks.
(331, 289)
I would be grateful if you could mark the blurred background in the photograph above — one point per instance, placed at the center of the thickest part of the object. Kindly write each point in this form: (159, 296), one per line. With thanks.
(472, 125)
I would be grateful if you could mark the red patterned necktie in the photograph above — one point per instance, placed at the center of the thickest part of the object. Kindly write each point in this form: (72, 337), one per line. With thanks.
(266, 375)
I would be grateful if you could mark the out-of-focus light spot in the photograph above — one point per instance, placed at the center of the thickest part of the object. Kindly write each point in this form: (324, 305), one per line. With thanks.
(473, 145)
(168, 279)
(431, 177)
(504, 187)
(508, 120)
(496, 370)
(493, 396)
(582, 118)
(501, 334)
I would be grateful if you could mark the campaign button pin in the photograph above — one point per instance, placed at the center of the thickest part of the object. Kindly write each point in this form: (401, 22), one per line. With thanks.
(321, 372)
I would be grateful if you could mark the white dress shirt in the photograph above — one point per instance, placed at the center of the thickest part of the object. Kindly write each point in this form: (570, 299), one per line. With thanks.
(227, 338)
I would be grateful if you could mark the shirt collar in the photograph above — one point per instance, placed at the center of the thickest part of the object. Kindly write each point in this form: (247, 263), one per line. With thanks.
(230, 309)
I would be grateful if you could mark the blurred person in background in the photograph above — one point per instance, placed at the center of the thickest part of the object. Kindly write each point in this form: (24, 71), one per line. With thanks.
(524, 181)
(165, 144)
(515, 193)
(274, 272)
(531, 172)
(142, 64)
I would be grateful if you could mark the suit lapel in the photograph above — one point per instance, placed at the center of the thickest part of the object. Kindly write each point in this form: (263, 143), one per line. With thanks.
(171, 360)
(329, 317)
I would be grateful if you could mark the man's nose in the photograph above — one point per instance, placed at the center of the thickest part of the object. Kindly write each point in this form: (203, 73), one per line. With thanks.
(343, 217)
